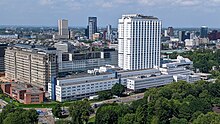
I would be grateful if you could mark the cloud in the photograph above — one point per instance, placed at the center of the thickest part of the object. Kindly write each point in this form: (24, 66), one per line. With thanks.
(47, 2)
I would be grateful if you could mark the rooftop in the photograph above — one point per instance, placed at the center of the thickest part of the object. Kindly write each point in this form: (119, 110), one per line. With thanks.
(29, 88)
(138, 16)
(34, 48)
(82, 74)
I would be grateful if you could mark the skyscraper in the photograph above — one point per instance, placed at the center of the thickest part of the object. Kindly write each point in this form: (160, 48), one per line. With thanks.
(182, 35)
(63, 28)
(92, 27)
(204, 32)
(109, 32)
(170, 31)
(139, 42)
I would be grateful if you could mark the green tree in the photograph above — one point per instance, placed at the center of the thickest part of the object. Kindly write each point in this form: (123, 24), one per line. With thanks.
(103, 95)
(106, 115)
(128, 119)
(209, 118)
(80, 112)
(178, 121)
(57, 111)
(21, 116)
(118, 89)
(63, 122)
(141, 114)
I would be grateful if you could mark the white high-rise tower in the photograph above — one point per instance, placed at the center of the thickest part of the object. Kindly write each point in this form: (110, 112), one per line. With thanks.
(139, 42)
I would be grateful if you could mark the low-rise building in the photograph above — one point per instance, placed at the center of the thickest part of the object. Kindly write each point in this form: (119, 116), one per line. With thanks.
(145, 82)
(187, 78)
(24, 93)
(83, 85)
(176, 71)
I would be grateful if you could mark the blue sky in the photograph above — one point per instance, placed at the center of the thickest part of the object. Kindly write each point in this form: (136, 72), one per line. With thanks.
(176, 13)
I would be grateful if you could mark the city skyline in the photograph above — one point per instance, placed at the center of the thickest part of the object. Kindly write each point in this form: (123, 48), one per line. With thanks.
(176, 13)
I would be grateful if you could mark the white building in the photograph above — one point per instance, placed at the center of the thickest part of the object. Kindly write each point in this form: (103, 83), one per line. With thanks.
(139, 42)
(179, 62)
(175, 71)
(187, 78)
(83, 85)
(141, 82)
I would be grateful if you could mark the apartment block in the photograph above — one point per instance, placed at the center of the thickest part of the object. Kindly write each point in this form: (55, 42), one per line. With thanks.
(32, 65)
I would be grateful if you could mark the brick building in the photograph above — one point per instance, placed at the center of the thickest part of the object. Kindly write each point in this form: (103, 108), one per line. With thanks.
(24, 93)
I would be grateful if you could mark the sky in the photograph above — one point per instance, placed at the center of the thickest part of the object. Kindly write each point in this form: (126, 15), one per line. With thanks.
(176, 13)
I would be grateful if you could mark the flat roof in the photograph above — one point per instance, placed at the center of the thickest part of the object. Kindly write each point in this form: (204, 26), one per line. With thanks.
(30, 90)
(81, 75)
(141, 79)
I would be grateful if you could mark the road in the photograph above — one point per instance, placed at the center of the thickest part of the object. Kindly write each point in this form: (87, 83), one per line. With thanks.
(121, 99)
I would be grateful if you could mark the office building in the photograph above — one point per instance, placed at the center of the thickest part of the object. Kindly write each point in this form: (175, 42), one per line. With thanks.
(2, 56)
(63, 29)
(92, 27)
(83, 85)
(109, 33)
(139, 42)
(187, 78)
(64, 46)
(170, 31)
(178, 62)
(31, 65)
(148, 81)
(204, 32)
(69, 62)
(182, 35)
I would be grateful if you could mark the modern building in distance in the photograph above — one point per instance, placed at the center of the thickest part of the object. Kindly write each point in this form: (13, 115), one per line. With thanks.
(170, 31)
(92, 27)
(31, 65)
(182, 35)
(109, 32)
(2, 56)
(139, 42)
(204, 32)
(63, 32)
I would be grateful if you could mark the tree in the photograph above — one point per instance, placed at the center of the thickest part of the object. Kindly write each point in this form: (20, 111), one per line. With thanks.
(20, 116)
(110, 113)
(141, 114)
(57, 111)
(118, 89)
(63, 122)
(106, 115)
(178, 121)
(103, 95)
(209, 118)
(80, 112)
(128, 119)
